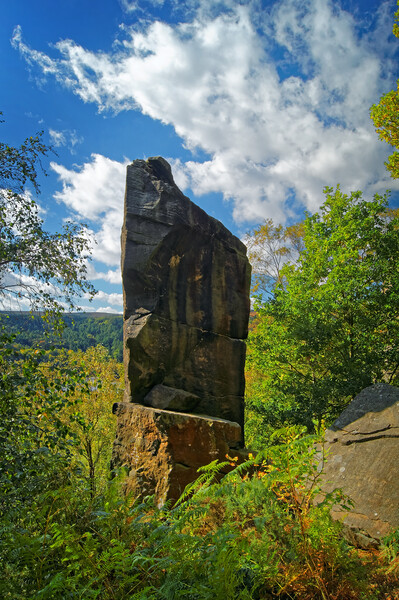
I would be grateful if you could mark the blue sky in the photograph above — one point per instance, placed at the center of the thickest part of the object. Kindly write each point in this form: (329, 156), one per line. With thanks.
(256, 104)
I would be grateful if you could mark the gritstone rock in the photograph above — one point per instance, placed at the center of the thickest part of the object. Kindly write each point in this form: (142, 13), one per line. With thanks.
(363, 460)
(186, 296)
(186, 282)
(163, 449)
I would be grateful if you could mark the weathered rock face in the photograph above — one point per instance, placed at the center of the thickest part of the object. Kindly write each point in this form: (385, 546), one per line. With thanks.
(186, 297)
(363, 460)
(186, 306)
(164, 449)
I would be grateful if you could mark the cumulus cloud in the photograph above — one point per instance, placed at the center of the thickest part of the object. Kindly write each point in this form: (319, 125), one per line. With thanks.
(112, 275)
(114, 299)
(278, 98)
(100, 309)
(104, 302)
(95, 191)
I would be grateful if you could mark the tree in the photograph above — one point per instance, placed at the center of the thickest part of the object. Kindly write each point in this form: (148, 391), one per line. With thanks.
(385, 116)
(46, 270)
(332, 326)
(271, 246)
(35, 443)
(89, 419)
(18, 165)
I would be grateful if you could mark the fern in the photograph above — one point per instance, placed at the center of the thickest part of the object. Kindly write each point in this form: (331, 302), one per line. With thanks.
(208, 476)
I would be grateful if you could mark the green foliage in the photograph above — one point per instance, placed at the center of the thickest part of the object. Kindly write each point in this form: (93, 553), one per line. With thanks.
(90, 420)
(269, 248)
(56, 432)
(55, 411)
(33, 439)
(247, 537)
(391, 549)
(46, 270)
(80, 331)
(331, 328)
(264, 531)
(385, 116)
(18, 165)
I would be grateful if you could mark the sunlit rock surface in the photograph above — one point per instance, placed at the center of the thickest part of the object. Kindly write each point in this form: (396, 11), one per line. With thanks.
(162, 450)
(363, 460)
(186, 282)
(186, 296)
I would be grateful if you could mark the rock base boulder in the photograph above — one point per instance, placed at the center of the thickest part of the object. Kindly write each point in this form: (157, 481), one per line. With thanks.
(362, 450)
(162, 450)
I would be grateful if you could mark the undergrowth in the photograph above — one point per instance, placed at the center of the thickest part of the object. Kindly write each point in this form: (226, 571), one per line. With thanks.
(256, 534)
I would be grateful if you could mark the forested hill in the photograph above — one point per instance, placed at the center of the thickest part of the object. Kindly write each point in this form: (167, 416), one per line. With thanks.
(81, 331)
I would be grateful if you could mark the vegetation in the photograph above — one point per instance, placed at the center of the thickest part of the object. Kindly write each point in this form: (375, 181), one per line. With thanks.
(385, 116)
(45, 270)
(326, 325)
(329, 327)
(270, 247)
(80, 331)
(89, 423)
(56, 428)
(247, 537)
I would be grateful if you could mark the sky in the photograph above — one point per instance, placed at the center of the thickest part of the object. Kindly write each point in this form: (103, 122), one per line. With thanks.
(257, 105)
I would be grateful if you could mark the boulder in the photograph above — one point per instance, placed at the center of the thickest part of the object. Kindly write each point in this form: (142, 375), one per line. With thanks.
(163, 450)
(362, 449)
(170, 398)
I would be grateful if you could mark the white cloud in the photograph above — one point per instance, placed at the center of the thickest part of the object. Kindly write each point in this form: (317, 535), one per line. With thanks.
(104, 302)
(133, 6)
(67, 137)
(57, 137)
(278, 98)
(11, 292)
(95, 191)
(129, 6)
(100, 309)
(113, 298)
(112, 276)
(20, 291)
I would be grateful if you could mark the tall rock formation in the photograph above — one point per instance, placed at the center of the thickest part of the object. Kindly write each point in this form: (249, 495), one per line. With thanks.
(186, 285)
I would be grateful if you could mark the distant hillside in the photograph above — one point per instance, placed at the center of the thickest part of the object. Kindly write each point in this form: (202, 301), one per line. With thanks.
(82, 330)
